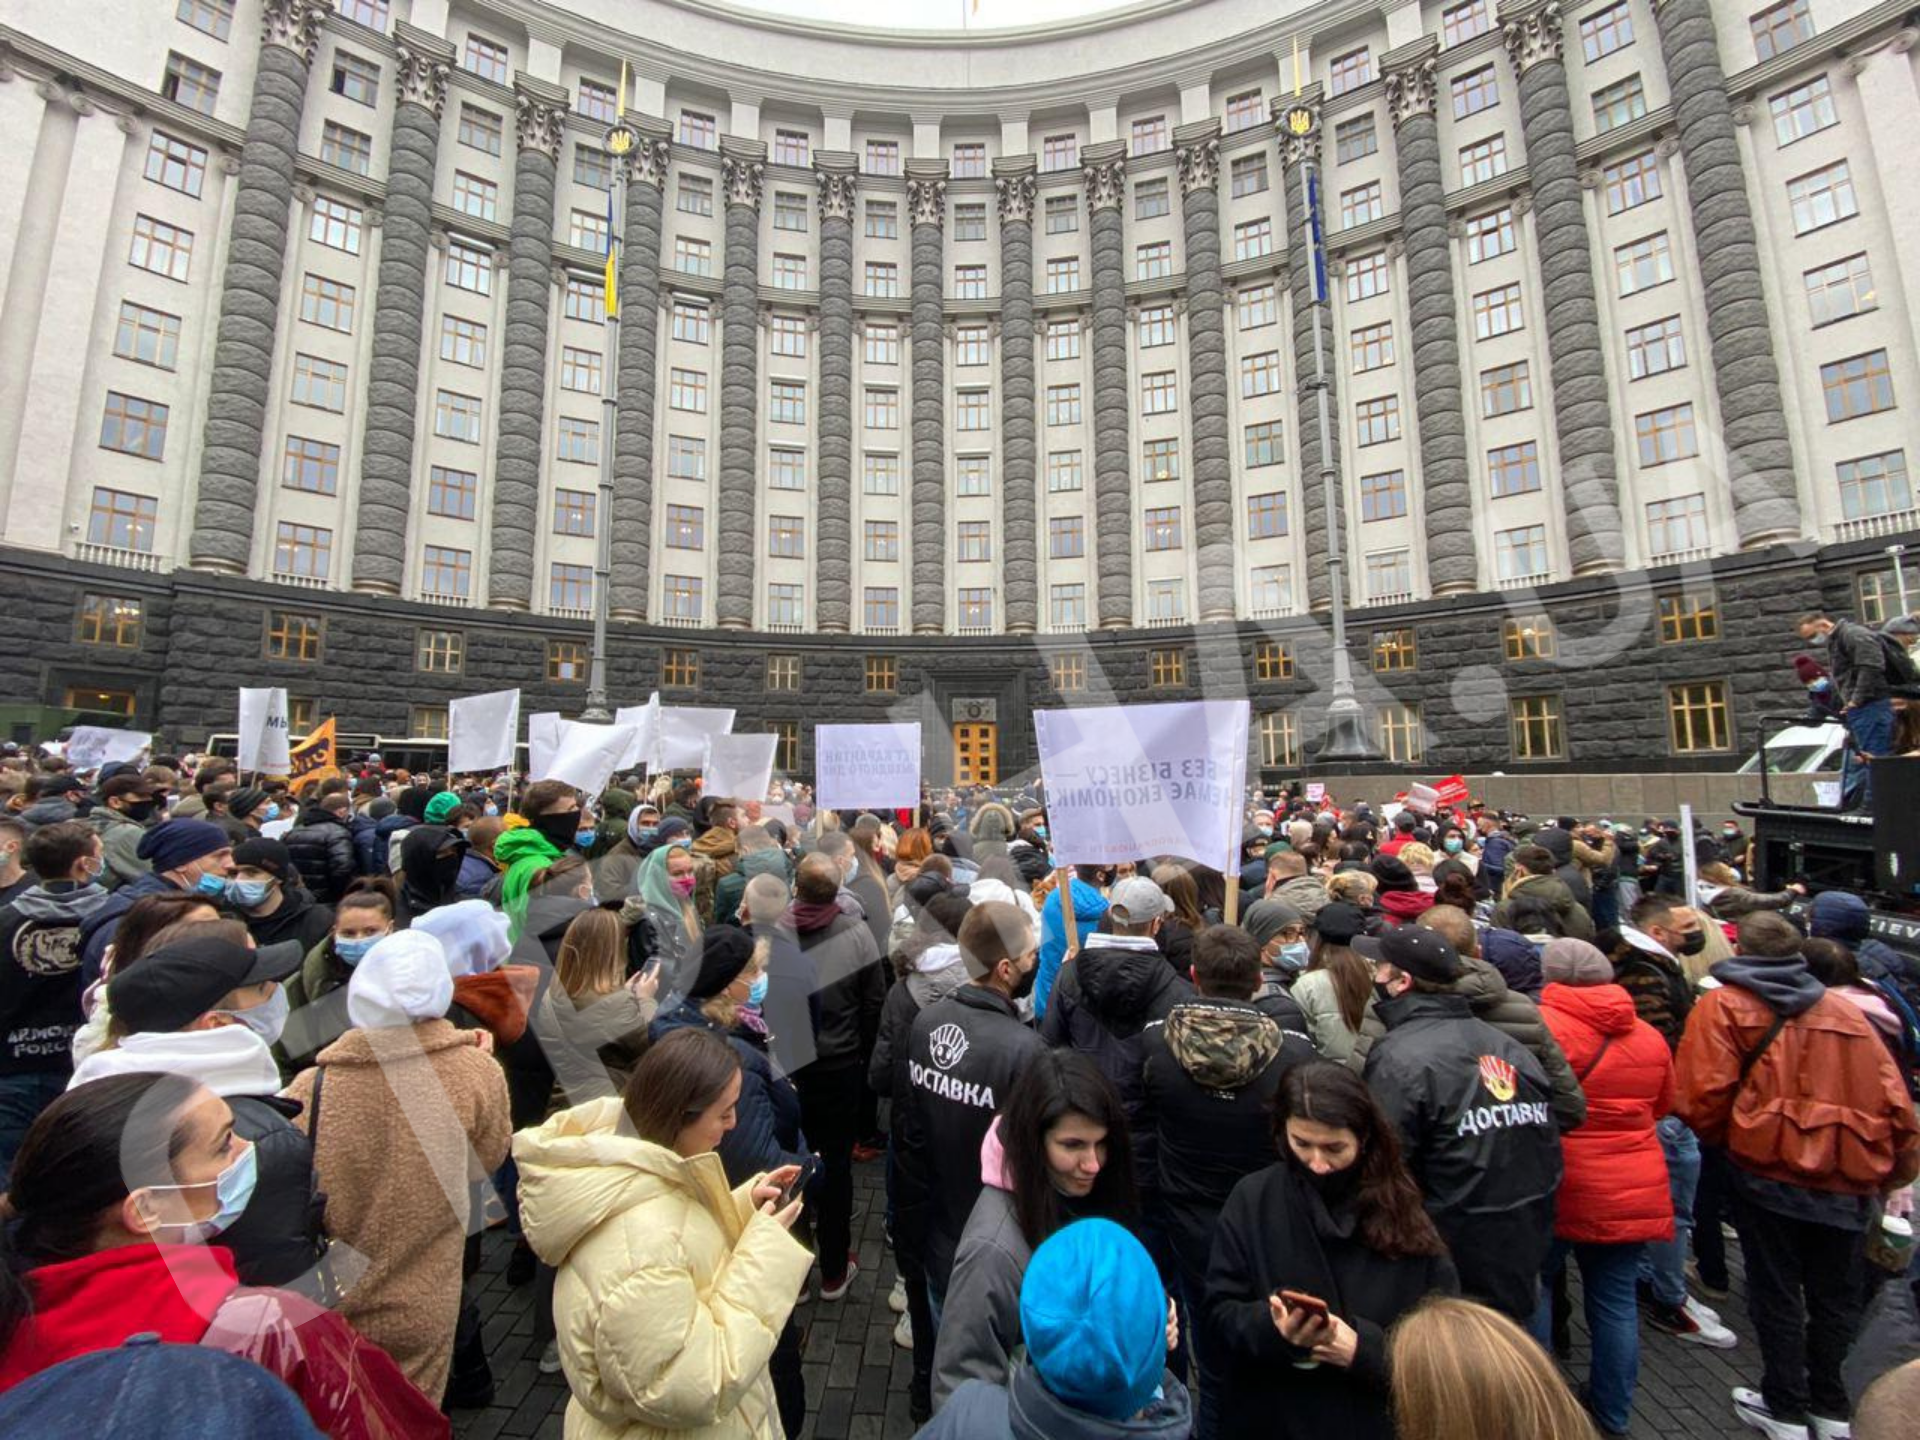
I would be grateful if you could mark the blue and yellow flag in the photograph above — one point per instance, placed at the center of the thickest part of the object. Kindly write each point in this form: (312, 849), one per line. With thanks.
(613, 253)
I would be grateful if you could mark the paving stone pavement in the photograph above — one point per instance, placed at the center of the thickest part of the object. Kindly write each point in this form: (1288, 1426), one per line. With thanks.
(857, 1377)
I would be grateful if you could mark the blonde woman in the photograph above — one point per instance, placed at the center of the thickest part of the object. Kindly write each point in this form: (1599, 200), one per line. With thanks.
(1354, 887)
(1464, 1372)
(593, 1019)
(1419, 859)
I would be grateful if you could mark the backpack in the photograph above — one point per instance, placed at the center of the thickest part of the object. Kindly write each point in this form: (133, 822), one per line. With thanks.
(1901, 670)
(1817, 1140)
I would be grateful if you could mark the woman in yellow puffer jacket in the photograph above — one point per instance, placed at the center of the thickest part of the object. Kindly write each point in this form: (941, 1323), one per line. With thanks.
(672, 1289)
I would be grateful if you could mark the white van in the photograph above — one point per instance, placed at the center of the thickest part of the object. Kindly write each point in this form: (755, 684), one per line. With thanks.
(1802, 750)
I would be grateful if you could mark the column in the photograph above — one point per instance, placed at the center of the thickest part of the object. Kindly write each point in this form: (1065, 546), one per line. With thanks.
(1198, 159)
(927, 205)
(250, 289)
(1752, 413)
(1582, 416)
(1015, 184)
(1434, 338)
(1890, 102)
(1104, 167)
(393, 385)
(1294, 151)
(632, 519)
(540, 114)
(743, 165)
(839, 190)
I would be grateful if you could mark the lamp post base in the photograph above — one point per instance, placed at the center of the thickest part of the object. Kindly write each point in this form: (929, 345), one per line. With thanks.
(1346, 741)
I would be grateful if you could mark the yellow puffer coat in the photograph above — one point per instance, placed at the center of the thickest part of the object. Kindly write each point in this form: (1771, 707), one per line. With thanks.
(672, 1289)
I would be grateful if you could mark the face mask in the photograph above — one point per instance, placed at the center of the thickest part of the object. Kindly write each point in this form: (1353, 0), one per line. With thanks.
(559, 828)
(142, 810)
(267, 1019)
(248, 894)
(1819, 640)
(1454, 845)
(492, 809)
(584, 838)
(1381, 992)
(1693, 944)
(1729, 833)
(757, 991)
(1040, 832)
(1265, 832)
(1023, 986)
(234, 1187)
(1294, 955)
(682, 885)
(272, 814)
(6, 856)
(354, 951)
(1821, 687)
(647, 833)
(211, 885)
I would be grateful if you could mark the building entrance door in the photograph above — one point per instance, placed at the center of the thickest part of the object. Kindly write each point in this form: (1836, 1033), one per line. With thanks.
(976, 754)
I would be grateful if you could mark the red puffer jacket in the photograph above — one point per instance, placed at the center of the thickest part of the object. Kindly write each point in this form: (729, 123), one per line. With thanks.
(1615, 1188)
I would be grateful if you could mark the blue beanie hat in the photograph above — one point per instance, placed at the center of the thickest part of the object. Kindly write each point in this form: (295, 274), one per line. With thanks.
(181, 842)
(1094, 1318)
(1839, 915)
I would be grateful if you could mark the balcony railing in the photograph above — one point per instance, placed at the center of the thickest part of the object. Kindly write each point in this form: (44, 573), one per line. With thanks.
(684, 622)
(430, 597)
(785, 627)
(1271, 612)
(570, 612)
(1157, 622)
(1521, 582)
(1395, 597)
(305, 582)
(116, 555)
(1870, 527)
(879, 629)
(974, 629)
(1682, 557)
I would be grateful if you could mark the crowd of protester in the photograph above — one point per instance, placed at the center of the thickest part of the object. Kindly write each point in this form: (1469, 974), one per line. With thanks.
(1314, 1149)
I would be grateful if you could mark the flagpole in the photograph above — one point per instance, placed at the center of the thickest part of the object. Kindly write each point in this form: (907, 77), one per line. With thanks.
(619, 143)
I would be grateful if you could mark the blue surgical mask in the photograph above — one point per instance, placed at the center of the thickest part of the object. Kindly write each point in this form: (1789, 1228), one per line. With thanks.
(647, 832)
(492, 809)
(354, 951)
(266, 1019)
(211, 885)
(234, 1187)
(248, 894)
(1265, 832)
(585, 837)
(273, 814)
(1040, 832)
(1821, 686)
(1294, 956)
(757, 991)
(1453, 845)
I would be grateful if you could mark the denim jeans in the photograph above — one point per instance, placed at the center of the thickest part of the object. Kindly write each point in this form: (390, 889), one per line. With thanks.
(22, 1098)
(1664, 1265)
(1607, 1274)
(1871, 726)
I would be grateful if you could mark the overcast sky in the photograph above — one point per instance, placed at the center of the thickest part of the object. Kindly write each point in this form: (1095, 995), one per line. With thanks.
(935, 14)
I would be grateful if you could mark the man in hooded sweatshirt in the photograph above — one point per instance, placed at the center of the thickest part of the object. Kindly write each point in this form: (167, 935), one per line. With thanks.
(1817, 1125)
(187, 856)
(1209, 1073)
(1093, 1318)
(1536, 869)
(550, 812)
(266, 893)
(127, 807)
(758, 855)
(40, 975)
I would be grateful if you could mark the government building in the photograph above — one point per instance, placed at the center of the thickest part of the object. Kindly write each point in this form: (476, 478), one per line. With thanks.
(960, 374)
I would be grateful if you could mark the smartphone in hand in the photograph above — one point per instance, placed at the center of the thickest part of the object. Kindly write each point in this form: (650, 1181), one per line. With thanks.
(808, 1169)
(1311, 1305)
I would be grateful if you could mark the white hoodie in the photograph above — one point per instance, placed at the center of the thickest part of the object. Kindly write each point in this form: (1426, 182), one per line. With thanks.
(228, 1059)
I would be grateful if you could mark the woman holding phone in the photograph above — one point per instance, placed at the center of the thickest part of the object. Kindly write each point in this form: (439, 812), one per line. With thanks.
(1314, 1259)
(674, 1285)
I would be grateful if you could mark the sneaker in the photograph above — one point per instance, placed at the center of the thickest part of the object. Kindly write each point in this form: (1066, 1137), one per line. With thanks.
(1750, 1409)
(903, 1332)
(1825, 1429)
(897, 1297)
(1702, 1311)
(1687, 1323)
(830, 1292)
(550, 1358)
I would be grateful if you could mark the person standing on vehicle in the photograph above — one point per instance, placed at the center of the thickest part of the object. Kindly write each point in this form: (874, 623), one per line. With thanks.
(1866, 704)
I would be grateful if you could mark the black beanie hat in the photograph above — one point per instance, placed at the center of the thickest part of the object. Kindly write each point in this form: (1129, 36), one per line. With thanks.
(725, 951)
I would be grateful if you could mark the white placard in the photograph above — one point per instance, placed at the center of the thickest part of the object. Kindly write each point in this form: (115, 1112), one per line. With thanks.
(1316, 792)
(1422, 799)
(1129, 782)
(263, 732)
(91, 746)
(738, 767)
(482, 731)
(861, 767)
(1690, 855)
(544, 729)
(681, 742)
(1827, 793)
(646, 720)
(588, 755)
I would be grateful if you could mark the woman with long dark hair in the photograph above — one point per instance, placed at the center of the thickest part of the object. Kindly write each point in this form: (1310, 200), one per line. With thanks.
(1315, 1258)
(1336, 992)
(116, 1191)
(1059, 1152)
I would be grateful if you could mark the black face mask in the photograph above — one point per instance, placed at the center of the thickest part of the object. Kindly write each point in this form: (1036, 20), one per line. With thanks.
(1023, 986)
(1693, 944)
(142, 810)
(558, 827)
(1381, 992)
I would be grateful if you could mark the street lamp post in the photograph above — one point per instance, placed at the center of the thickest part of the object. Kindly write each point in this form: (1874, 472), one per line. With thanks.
(619, 142)
(1896, 553)
(1346, 739)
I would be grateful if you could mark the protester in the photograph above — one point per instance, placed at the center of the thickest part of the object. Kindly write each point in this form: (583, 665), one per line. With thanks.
(1339, 1219)
(664, 927)
(1533, 874)
(1335, 994)
(758, 855)
(122, 816)
(1210, 1072)
(405, 1112)
(1464, 1372)
(550, 810)
(116, 1189)
(177, 1392)
(1816, 1122)
(40, 984)
(13, 875)
(673, 1286)
(1093, 1314)
(594, 1018)
(1059, 1152)
(1860, 684)
(266, 892)
(1614, 1196)
(187, 856)
(320, 844)
(1471, 1106)
(1842, 916)
(1089, 904)
(479, 871)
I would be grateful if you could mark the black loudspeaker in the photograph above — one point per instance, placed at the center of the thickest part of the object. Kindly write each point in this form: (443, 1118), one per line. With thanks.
(1896, 825)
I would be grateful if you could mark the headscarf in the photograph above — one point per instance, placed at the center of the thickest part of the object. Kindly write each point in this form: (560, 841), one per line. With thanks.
(657, 890)
(522, 852)
(403, 978)
(473, 934)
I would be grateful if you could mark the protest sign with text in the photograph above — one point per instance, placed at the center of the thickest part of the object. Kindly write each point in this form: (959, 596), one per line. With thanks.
(264, 744)
(1130, 782)
(91, 746)
(866, 767)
